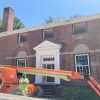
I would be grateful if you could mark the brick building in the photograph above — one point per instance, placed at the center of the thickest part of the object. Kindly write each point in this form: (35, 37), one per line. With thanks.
(69, 45)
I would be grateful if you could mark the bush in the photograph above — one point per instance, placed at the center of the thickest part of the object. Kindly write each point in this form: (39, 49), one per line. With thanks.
(79, 93)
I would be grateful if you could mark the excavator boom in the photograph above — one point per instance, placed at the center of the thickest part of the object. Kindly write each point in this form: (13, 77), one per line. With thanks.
(65, 75)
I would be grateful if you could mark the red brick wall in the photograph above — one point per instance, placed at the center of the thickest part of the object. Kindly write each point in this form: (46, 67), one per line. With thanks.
(9, 46)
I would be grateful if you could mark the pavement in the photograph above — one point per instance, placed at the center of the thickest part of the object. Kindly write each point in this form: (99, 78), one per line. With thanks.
(16, 97)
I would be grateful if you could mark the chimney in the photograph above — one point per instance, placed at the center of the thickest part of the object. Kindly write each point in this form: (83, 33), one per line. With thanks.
(8, 19)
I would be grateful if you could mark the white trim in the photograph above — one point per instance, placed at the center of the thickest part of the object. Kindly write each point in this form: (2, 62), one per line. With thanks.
(47, 45)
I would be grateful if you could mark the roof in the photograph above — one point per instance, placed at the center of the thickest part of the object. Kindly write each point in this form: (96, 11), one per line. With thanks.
(50, 25)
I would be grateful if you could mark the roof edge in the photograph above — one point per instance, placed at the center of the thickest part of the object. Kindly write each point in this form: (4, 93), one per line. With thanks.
(50, 25)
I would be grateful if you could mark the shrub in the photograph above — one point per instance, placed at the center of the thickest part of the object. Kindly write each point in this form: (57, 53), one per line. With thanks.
(79, 93)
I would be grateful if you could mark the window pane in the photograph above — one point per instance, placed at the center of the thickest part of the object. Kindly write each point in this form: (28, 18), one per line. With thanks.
(84, 69)
(22, 38)
(49, 66)
(52, 66)
(78, 70)
(44, 65)
(50, 79)
(87, 69)
(21, 62)
(81, 69)
(48, 33)
(79, 28)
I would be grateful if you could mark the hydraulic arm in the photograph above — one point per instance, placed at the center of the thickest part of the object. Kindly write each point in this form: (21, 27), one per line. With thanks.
(65, 75)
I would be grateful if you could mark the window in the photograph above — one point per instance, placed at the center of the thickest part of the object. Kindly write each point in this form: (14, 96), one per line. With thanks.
(82, 63)
(47, 78)
(22, 38)
(48, 63)
(48, 33)
(21, 62)
(79, 28)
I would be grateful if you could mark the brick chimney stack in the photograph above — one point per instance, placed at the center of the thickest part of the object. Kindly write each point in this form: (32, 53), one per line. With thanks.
(8, 19)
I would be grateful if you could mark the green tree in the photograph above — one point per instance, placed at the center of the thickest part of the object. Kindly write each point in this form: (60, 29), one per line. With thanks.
(17, 24)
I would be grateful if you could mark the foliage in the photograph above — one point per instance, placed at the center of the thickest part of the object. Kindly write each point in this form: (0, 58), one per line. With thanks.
(51, 19)
(18, 24)
(79, 93)
(75, 16)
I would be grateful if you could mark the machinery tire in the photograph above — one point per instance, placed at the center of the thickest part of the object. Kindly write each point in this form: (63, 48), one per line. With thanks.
(38, 92)
(17, 92)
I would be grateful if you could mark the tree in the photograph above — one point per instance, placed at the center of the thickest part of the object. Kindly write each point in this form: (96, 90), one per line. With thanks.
(17, 24)
(49, 20)
(75, 16)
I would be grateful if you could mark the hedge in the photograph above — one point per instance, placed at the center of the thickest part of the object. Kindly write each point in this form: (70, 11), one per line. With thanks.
(79, 93)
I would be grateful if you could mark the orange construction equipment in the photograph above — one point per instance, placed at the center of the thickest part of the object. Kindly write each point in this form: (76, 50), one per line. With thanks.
(65, 75)
(8, 74)
(94, 84)
(9, 79)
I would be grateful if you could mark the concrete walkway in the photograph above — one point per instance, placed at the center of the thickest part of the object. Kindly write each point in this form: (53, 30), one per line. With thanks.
(15, 97)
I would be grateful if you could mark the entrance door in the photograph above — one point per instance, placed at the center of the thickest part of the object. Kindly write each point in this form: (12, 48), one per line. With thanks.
(48, 63)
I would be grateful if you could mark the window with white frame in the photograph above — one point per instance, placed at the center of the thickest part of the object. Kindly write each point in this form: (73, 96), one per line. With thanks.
(21, 62)
(82, 63)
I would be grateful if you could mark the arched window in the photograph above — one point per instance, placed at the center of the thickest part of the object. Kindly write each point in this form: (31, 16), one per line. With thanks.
(82, 59)
(21, 61)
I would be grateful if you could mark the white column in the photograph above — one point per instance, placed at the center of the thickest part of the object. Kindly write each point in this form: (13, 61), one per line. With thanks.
(38, 78)
(57, 66)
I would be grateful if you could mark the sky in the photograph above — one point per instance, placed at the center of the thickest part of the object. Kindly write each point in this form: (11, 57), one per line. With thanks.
(34, 12)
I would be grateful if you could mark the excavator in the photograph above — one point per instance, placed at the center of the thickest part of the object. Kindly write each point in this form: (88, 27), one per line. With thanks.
(9, 80)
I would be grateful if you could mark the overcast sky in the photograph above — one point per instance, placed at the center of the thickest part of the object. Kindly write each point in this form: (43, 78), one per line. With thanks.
(33, 12)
